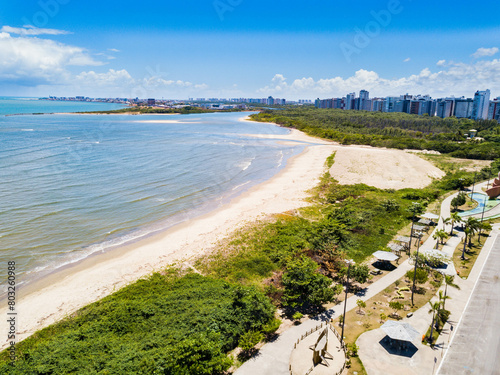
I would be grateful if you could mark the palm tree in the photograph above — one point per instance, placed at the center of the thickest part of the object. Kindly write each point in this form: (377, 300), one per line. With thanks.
(473, 224)
(483, 226)
(467, 232)
(449, 280)
(434, 310)
(440, 235)
(446, 222)
(455, 218)
(442, 297)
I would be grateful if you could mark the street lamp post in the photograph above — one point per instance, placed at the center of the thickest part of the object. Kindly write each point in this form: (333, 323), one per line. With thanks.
(349, 262)
(415, 270)
(411, 232)
(484, 206)
(474, 183)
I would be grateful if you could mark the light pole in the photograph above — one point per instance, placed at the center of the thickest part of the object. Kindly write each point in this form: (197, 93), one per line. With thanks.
(474, 183)
(484, 206)
(349, 262)
(415, 270)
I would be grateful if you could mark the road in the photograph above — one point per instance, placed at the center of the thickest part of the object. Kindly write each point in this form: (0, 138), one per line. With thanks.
(475, 348)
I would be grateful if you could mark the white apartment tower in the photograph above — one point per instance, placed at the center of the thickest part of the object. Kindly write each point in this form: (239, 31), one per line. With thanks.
(481, 105)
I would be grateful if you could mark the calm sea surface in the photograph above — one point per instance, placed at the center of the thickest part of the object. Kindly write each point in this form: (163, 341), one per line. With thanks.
(73, 185)
(10, 105)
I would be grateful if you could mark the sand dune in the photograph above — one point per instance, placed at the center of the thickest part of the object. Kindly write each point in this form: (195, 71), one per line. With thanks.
(382, 168)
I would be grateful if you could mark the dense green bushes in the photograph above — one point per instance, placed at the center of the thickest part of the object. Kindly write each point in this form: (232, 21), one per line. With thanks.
(162, 325)
(393, 130)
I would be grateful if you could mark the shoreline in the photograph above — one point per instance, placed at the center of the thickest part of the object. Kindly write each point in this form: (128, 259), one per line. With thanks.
(74, 286)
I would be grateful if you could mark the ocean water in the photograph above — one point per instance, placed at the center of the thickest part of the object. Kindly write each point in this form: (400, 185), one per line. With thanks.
(73, 185)
(10, 105)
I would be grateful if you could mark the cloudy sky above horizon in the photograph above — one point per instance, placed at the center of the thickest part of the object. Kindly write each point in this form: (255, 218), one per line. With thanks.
(242, 48)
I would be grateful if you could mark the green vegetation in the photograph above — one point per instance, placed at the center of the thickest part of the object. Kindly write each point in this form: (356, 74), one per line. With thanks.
(149, 110)
(393, 130)
(168, 324)
(304, 285)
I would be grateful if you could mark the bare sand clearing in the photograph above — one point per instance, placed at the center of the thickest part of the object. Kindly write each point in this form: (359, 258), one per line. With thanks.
(382, 168)
(62, 293)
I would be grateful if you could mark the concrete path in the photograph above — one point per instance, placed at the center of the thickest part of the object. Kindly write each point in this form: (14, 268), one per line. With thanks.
(475, 349)
(274, 358)
(424, 360)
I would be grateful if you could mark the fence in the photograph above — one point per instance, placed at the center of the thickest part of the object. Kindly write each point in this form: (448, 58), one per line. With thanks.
(311, 331)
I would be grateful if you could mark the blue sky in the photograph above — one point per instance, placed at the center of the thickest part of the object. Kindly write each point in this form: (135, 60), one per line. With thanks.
(243, 48)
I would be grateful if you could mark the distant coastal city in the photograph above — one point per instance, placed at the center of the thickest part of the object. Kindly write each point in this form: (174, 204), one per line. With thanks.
(480, 107)
(208, 103)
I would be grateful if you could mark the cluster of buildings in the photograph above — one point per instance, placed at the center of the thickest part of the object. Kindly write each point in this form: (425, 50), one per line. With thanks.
(212, 103)
(267, 101)
(87, 99)
(478, 108)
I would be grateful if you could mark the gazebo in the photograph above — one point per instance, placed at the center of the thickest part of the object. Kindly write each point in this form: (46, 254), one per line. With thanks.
(396, 248)
(429, 216)
(399, 332)
(385, 258)
(405, 241)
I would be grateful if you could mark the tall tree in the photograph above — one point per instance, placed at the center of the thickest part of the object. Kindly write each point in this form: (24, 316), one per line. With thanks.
(455, 219)
(435, 306)
(449, 280)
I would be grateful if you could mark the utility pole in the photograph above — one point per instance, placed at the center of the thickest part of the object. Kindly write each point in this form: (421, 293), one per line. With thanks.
(474, 183)
(484, 206)
(411, 232)
(349, 262)
(415, 270)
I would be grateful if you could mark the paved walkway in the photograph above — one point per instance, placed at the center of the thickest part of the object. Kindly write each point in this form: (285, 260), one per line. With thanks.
(274, 358)
(424, 360)
(475, 349)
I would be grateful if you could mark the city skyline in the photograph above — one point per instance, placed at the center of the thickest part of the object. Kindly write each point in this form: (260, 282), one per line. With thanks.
(234, 48)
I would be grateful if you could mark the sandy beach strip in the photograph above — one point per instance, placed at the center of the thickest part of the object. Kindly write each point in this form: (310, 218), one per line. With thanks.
(62, 293)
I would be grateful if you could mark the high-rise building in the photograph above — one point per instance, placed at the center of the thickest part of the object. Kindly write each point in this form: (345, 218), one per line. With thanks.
(389, 104)
(493, 108)
(350, 98)
(463, 108)
(362, 102)
(445, 107)
(481, 105)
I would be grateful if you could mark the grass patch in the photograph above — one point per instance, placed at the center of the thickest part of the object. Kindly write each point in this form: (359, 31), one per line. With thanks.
(464, 267)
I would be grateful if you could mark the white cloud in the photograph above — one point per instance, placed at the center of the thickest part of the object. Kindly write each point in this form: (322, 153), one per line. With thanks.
(120, 83)
(25, 58)
(482, 52)
(32, 30)
(441, 63)
(456, 79)
(113, 50)
(406, 60)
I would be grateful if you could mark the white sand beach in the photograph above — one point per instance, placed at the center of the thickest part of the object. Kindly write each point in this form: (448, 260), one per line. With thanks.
(64, 292)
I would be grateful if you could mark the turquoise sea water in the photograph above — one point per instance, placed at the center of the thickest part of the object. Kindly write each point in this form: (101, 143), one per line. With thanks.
(73, 185)
(9, 105)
